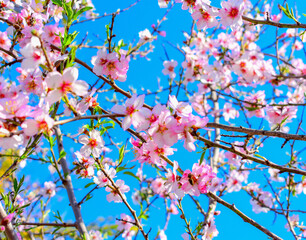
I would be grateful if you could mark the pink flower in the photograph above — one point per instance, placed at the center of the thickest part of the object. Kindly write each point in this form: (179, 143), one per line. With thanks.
(180, 108)
(145, 36)
(33, 56)
(111, 65)
(42, 123)
(126, 223)
(95, 235)
(231, 13)
(93, 144)
(149, 117)
(162, 235)
(158, 186)
(235, 180)
(274, 173)
(163, 3)
(163, 131)
(262, 203)
(49, 189)
(301, 187)
(114, 194)
(169, 68)
(15, 107)
(255, 110)
(210, 230)
(198, 180)
(229, 112)
(101, 179)
(278, 114)
(61, 84)
(294, 221)
(7, 219)
(172, 184)
(205, 16)
(132, 110)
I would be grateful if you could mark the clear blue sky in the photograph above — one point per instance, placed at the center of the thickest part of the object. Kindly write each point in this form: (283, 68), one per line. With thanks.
(143, 73)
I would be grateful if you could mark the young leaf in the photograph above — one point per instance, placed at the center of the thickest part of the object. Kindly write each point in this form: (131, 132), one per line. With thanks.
(132, 174)
(78, 13)
(121, 154)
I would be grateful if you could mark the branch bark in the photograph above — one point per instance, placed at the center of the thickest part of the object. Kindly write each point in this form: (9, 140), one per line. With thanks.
(275, 24)
(250, 131)
(243, 216)
(9, 230)
(252, 158)
(69, 188)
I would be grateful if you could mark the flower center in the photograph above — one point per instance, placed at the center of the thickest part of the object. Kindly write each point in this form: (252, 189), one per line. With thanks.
(233, 12)
(205, 15)
(130, 110)
(92, 143)
(32, 85)
(43, 125)
(65, 87)
(36, 56)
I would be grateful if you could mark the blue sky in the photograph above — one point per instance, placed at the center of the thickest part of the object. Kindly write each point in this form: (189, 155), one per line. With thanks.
(144, 74)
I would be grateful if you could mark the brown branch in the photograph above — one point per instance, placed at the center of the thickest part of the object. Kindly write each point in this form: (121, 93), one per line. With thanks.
(252, 132)
(244, 217)
(254, 159)
(272, 23)
(48, 224)
(87, 117)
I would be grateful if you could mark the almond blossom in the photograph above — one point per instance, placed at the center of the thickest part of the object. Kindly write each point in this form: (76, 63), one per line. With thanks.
(231, 13)
(132, 111)
(101, 178)
(62, 84)
(113, 192)
(33, 55)
(262, 203)
(169, 68)
(110, 64)
(49, 189)
(205, 16)
(93, 144)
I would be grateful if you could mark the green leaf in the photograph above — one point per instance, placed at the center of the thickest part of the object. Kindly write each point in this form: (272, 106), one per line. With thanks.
(132, 174)
(121, 154)
(69, 12)
(257, 155)
(251, 108)
(15, 184)
(57, 2)
(284, 120)
(89, 184)
(78, 13)
(202, 156)
(119, 169)
(62, 154)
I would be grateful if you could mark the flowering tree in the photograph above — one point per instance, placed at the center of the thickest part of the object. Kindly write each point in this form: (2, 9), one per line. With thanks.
(230, 119)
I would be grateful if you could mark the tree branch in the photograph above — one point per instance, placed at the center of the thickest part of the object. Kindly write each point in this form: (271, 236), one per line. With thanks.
(255, 159)
(275, 24)
(244, 217)
(252, 132)
(69, 188)
(9, 230)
